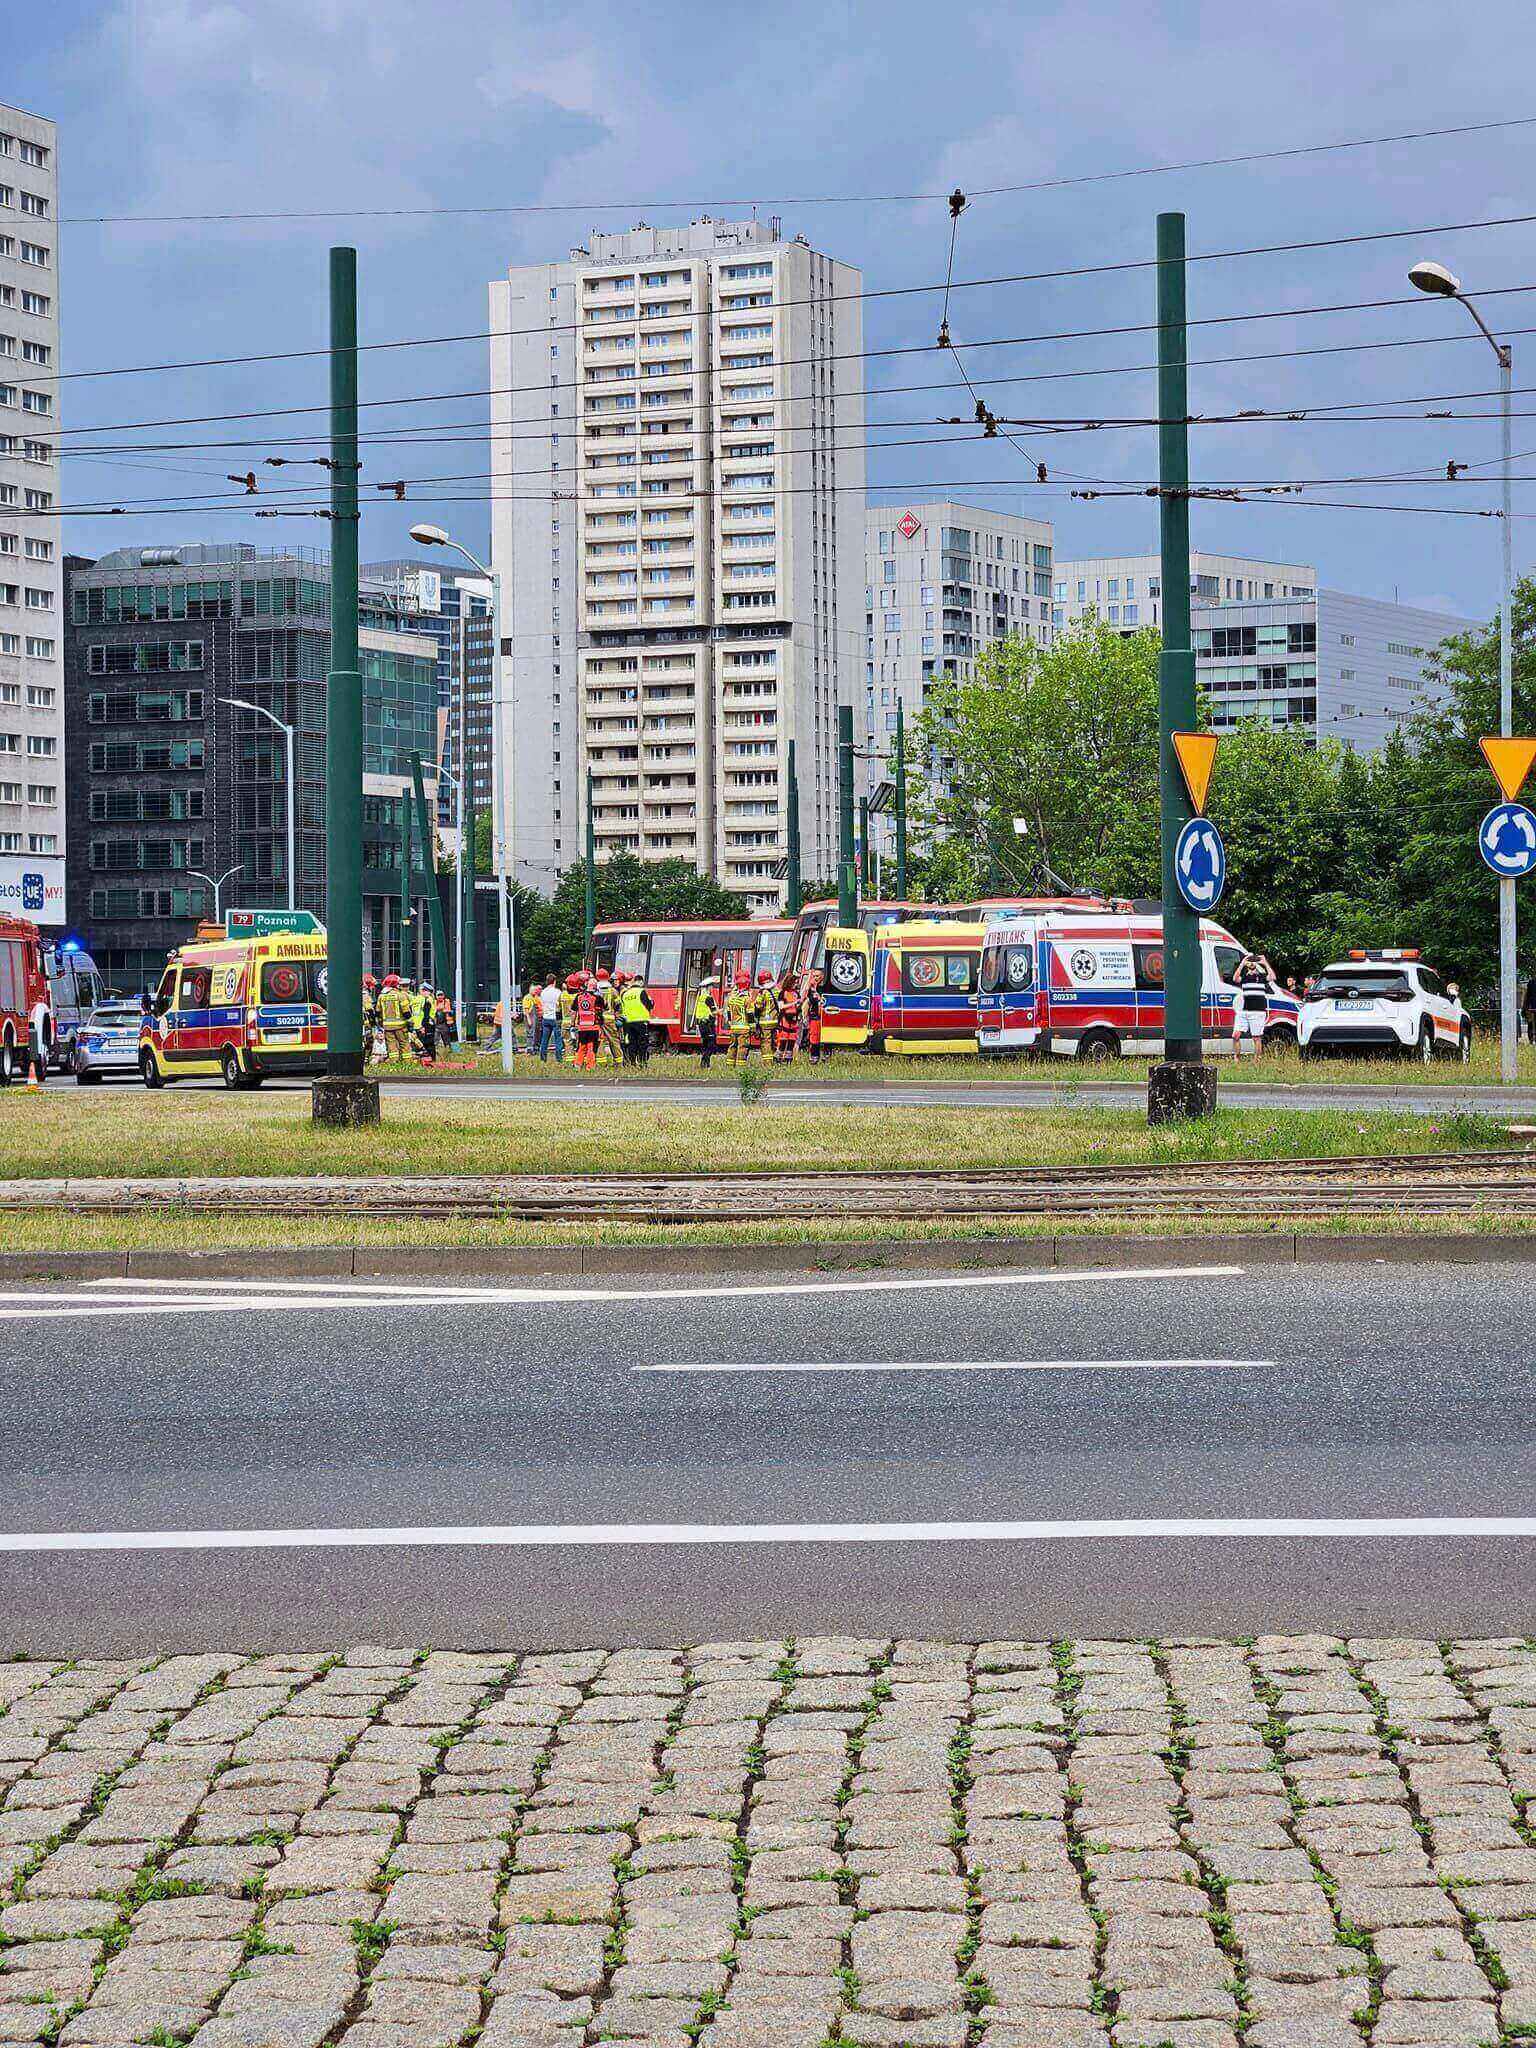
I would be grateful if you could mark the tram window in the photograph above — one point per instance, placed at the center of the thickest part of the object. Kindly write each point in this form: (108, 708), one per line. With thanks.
(629, 954)
(771, 949)
(666, 959)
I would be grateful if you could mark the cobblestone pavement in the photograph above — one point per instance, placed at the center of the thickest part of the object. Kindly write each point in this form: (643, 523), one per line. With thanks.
(1300, 1842)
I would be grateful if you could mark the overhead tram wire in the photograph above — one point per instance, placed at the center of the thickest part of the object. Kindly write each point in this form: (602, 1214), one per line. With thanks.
(918, 348)
(586, 206)
(1427, 229)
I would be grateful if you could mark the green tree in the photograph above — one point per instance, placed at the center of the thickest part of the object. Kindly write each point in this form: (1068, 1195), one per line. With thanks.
(554, 935)
(1063, 737)
(1276, 800)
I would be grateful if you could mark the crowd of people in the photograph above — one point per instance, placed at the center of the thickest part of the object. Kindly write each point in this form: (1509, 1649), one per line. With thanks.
(605, 1018)
(404, 1022)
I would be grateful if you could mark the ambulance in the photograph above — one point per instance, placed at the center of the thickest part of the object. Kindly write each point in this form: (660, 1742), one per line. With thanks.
(1091, 988)
(902, 988)
(245, 999)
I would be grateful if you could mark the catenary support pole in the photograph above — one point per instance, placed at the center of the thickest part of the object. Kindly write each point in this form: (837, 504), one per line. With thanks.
(866, 873)
(429, 870)
(1179, 1084)
(343, 1095)
(502, 842)
(796, 900)
(407, 951)
(901, 804)
(1509, 1022)
(591, 902)
(847, 873)
(468, 865)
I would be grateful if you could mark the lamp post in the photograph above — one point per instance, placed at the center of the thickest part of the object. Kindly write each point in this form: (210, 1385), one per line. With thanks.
(261, 711)
(1441, 283)
(197, 875)
(438, 537)
(457, 787)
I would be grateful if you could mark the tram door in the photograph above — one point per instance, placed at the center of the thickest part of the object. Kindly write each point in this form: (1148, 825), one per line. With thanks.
(700, 960)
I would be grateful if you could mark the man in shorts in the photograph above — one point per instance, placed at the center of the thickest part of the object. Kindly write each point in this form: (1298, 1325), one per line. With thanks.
(1253, 978)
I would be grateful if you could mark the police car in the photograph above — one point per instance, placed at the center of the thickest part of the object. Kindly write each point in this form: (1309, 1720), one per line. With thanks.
(1383, 1002)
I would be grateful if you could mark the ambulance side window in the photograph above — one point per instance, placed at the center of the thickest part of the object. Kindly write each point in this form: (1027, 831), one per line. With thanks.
(165, 993)
(1149, 967)
(195, 984)
(1227, 960)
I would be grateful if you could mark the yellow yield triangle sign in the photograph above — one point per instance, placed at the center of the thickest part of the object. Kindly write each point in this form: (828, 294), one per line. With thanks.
(1510, 761)
(1197, 757)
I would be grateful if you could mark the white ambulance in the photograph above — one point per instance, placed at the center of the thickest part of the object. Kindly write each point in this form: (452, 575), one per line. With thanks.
(1091, 988)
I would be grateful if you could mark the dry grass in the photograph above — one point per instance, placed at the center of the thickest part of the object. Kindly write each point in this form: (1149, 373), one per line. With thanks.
(62, 1133)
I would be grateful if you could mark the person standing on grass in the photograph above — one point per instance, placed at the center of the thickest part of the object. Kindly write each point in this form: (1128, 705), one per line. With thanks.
(1252, 978)
(739, 1012)
(788, 1037)
(813, 1017)
(444, 1023)
(635, 1009)
(706, 1019)
(393, 1015)
(588, 1028)
(551, 1038)
(609, 1040)
(1528, 1009)
(533, 1017)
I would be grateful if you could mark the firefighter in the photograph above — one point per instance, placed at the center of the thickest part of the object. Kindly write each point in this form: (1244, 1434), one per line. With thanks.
(394, 1015)
(371, 1025)
(424, 1024)
(635, 1008)
(767, 1013)
(740, 1011)
(588, 1020)
(788, 1037)
(608, 1018)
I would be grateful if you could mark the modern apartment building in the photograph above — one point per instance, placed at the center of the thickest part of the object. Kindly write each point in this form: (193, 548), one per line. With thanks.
(432, 599)
(31, 619)
(170, 786)
(1269, 643)
(678, 464)
(943, 581)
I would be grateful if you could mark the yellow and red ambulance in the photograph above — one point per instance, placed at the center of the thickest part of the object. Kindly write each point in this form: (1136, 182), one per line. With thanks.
(245, 999)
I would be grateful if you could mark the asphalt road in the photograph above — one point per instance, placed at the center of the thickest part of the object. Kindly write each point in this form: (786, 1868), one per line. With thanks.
(556, 1486)
(1057, 1088)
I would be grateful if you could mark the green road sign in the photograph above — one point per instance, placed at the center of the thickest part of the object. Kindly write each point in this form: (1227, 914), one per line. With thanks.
(261, 924)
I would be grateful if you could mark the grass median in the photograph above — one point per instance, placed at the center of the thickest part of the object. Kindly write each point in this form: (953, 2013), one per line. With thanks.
(888, 1070)
(59, 1133)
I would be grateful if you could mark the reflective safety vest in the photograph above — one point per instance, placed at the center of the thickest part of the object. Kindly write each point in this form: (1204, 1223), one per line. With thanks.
(705, 1008)
(394, 1005)
(738, 1009)
(767, 1008)
(586, 1010)
(789, 1010)
(633, 1007)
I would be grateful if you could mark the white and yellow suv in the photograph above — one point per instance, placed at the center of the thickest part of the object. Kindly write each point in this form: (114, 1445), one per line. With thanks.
(1384, 1002)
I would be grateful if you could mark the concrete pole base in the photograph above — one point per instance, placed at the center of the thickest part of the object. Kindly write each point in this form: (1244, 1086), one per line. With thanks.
(345, 1101)
(1180, 1089)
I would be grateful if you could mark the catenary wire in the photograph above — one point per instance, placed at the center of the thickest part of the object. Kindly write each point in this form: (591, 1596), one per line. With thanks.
(823, 199)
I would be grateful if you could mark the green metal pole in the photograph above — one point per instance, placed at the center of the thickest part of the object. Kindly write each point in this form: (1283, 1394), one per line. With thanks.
(591, 905)
(796, 901)
(406, 963)
(1176, 664)
(866, 871)
(343, 1096)
(429, 867)
(468, 925)
(901, 804)
(847, 873)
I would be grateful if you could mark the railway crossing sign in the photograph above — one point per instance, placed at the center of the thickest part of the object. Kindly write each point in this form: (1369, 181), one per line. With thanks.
(1196, 752)
(1507, 839)
(1200, 864)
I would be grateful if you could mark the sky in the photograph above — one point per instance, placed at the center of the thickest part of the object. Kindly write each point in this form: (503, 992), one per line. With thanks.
(833, 116)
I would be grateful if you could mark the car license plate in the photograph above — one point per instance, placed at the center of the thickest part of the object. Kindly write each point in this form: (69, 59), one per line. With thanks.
(1353, 1006)
(273, 1037)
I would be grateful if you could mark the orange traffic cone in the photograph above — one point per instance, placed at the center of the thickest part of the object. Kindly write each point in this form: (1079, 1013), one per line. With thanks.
(32, 1080)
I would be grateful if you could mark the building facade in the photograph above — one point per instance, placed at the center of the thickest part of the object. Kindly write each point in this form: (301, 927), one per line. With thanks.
(943, 582)
(429, 598)
(171, 785)
(678, 464)
(1270, 644)
(32, 819)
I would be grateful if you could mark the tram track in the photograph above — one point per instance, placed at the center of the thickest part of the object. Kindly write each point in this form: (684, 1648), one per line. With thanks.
(1433, 1184)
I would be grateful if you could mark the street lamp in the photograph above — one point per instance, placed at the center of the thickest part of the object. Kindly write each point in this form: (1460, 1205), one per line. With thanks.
(1441, 283)
(438, 537)
(261, 711)
(197, 875)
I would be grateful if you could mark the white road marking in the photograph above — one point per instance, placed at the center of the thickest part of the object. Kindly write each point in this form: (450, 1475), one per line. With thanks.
(382, 1292)
(646, 1535)
(980, 1365)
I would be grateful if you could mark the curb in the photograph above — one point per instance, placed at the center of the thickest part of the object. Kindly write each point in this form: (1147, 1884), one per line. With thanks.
(1255, 1248)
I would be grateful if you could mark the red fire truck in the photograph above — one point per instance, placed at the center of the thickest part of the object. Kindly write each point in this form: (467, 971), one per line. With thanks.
(23, 979)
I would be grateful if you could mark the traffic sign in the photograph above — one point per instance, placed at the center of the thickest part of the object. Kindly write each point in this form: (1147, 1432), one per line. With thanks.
(1196, 753)
(262, 924)
(1510, 760)
(1507, 840)
(1200, 864)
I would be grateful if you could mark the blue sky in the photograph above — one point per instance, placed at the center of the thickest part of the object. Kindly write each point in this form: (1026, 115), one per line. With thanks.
(201, 106)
